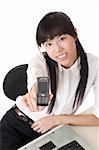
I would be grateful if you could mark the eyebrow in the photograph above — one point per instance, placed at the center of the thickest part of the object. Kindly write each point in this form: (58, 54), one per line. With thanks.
(48, 40)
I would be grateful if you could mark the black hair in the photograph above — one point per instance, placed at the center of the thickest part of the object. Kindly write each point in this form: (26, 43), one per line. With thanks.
(51, 25)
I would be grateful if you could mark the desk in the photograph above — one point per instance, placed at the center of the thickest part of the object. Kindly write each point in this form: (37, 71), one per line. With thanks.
(89, 133)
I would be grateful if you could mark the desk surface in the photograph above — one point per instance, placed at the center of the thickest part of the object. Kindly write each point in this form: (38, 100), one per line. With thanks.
(89, 133)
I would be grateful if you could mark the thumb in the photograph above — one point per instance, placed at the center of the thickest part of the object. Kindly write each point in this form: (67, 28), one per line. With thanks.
(50, 96)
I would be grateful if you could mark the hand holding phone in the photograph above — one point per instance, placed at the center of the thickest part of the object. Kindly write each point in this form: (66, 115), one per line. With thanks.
(42, 91)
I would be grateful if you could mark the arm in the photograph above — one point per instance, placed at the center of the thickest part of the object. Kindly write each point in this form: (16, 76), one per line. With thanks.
(36, 68)
(46, 123)
(86, 119)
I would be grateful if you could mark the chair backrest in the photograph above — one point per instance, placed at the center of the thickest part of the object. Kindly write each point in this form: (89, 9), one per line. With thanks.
(15, 82)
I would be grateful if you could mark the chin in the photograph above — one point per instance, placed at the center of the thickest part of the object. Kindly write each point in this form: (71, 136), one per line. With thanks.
(64, 64)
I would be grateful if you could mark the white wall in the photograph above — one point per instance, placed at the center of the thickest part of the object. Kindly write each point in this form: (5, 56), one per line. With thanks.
(18, 21)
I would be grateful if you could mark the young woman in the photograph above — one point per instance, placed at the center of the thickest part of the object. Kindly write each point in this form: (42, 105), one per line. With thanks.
(72, 73)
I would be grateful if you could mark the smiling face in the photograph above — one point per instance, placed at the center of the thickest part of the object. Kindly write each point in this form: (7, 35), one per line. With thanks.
(56, 33)
(62, 49)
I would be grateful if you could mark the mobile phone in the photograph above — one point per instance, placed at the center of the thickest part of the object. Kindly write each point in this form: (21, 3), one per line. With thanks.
(42, 91)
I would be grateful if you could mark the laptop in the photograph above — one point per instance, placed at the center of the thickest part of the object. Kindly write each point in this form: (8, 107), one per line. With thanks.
(62, 137)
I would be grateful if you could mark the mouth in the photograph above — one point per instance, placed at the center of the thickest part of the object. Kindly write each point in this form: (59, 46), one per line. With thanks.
(62, 56)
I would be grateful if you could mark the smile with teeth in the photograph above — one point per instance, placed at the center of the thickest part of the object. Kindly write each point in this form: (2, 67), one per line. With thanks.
(61, 56)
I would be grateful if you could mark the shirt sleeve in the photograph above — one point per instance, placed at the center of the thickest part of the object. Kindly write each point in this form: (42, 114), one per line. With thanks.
(96, 91)
(36, 68)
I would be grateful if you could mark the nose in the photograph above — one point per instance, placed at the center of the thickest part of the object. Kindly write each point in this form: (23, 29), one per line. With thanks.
(57, 47)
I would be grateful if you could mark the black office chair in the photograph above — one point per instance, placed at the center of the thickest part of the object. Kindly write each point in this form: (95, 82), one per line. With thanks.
(15, 82)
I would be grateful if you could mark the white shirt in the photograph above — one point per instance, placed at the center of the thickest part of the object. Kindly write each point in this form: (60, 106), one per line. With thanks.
(67, 85)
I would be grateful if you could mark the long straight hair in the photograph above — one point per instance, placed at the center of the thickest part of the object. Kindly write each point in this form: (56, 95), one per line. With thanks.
(51, 25)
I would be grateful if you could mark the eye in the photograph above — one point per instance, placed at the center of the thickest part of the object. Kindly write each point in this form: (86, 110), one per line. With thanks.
(62, 38)
(48, 44)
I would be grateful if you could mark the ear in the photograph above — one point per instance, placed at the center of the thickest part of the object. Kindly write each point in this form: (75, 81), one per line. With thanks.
(42, 49)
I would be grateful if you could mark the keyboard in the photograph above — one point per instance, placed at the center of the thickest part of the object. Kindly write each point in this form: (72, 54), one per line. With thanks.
(74, 145)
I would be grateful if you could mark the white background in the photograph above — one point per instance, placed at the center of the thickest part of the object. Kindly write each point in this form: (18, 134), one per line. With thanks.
(18, 22)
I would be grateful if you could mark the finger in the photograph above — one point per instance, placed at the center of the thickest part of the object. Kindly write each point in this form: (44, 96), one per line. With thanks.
(40, 108)
(33, 94)
(33, 102)
(34, 90)
(36, 128)
(25, 103)
(27, 100)
(35, 124)
(41, 130)
(50, 96)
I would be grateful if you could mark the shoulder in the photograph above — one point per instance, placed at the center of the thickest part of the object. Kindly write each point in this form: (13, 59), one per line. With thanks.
(93, 60)
(93, 64)
(37, 59)
(91, 57)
